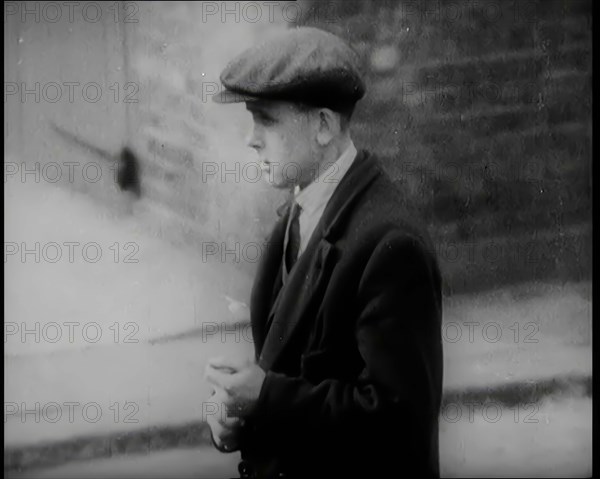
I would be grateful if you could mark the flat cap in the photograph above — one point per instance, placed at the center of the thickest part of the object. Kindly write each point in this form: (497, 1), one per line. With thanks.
(303, 64)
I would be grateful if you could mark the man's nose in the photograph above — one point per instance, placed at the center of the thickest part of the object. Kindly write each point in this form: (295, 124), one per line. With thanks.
(253, 140)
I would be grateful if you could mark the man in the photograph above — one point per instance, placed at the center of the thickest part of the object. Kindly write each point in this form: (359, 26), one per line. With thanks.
(346, 306)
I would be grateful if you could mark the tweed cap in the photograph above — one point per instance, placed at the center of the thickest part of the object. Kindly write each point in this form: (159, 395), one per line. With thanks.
(303, 64)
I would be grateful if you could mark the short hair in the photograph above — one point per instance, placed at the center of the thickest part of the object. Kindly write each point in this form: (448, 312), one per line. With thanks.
(345, 112)
(346, 115)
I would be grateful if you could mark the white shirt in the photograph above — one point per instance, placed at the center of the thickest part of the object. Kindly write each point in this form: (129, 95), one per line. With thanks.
(314, 197)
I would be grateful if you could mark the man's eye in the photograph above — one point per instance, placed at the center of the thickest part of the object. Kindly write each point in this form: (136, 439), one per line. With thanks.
(266, 120)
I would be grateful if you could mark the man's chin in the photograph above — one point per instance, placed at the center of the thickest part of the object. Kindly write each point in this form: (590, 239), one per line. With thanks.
(279, 185)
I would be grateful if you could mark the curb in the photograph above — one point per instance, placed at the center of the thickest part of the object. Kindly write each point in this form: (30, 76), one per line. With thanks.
(18, 459)
(523, 392)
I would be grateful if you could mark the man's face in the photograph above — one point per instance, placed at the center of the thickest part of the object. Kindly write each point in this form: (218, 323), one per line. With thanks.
(283, 137)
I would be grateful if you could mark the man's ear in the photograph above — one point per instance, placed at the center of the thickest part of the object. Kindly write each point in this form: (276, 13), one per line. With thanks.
(329, 126)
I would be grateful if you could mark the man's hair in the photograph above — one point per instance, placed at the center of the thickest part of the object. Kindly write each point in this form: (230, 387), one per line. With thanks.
(345, 112)
(346, 115)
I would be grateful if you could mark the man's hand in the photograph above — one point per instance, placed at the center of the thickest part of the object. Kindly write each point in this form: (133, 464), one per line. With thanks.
(241, 381)
(225, 430)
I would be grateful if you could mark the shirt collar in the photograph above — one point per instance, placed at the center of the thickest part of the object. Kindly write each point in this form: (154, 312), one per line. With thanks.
(318, 193)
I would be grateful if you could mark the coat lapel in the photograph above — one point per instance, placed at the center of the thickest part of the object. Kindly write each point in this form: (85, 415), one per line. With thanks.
(312, 270)
(268, 279)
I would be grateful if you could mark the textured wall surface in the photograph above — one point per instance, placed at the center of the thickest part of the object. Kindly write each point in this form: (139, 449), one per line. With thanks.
(139, 74)
(481, 111)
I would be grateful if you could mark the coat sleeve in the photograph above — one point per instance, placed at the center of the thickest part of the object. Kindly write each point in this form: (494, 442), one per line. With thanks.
(398, 334)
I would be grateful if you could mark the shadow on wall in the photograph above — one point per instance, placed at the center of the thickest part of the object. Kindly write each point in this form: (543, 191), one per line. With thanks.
(125, 163)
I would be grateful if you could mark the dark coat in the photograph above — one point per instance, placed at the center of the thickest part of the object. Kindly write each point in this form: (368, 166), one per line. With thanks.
(351, 344)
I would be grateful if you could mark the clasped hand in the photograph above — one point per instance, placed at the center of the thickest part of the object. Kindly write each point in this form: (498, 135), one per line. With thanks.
(236, 387)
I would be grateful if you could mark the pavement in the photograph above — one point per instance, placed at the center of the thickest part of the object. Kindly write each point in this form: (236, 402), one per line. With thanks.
(150, 395)
(197, 462)
(553, 439)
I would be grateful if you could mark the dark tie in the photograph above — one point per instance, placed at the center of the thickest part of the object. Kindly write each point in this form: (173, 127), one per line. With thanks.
(293, 244)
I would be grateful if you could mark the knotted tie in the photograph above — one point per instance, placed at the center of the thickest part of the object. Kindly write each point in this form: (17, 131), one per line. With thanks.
(293, 244)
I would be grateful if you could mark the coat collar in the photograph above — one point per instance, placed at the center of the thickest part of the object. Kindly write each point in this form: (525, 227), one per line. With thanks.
(362, 172)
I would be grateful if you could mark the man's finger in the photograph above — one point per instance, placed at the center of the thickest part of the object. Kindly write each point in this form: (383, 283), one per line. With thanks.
(218, 378)
(221, 362)
(221, 397)
(218, 422)
(229, 364)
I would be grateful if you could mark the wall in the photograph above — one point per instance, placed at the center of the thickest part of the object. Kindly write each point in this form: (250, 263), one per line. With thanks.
(481, 112)
(154, 67)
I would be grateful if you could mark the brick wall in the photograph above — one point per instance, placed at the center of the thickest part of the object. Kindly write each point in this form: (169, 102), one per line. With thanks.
(481, 111)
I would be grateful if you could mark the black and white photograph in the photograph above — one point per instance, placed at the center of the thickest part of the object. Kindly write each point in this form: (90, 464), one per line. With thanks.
(297, 239)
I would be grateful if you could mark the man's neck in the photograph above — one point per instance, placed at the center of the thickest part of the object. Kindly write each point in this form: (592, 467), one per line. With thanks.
(330, 156)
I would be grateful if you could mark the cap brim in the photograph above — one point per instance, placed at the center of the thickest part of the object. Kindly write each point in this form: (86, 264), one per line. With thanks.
(229, 96)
